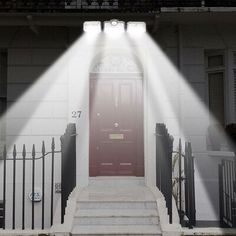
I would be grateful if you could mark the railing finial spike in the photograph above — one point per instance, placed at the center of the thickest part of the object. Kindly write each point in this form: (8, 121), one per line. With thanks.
(4, 151)
(53, 143)
(43, 148)
(14, 151)
(24, 151)
(33, 151)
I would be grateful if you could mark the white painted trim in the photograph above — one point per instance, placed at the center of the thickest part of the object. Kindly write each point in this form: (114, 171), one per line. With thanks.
(116, 75)
(26, 232)
(221, 154)
(167, 229)
(148, 180)
(197, 9)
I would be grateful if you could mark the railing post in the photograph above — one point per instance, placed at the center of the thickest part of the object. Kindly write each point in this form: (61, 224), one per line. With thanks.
(221, 200)
(158, 158)
(52, 179)
(164, 150)
(14, 188)
(192, 187)
(4, 185)
(189, 186)
(170, 190)
(187, 180)
(33, 183)
(23, 187)
(181, 216)
(68, 165)
(43, 182)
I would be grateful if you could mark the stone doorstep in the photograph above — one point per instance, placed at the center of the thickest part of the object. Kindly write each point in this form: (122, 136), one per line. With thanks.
(26, 232)
(208, 232)
(116, 181)
(116, 230)
(116, 213)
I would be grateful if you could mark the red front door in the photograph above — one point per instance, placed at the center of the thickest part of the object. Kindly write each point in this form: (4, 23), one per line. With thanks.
(116, 127)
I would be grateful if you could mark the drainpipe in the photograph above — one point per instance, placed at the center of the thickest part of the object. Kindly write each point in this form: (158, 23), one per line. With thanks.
(180, 67)
(179, 47)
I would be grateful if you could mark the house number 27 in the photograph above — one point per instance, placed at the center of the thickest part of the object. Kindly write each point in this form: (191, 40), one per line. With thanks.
(76, 114)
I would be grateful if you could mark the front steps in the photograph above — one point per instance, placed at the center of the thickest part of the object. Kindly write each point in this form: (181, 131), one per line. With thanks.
(109, 218)
(116, 207)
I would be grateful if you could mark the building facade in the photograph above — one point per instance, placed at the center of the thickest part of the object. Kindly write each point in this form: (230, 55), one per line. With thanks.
(182, 74)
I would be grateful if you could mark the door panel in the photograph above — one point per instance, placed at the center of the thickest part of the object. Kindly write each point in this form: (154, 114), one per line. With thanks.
(116, 127)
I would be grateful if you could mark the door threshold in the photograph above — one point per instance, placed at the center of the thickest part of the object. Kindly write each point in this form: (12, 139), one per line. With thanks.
(117, 180)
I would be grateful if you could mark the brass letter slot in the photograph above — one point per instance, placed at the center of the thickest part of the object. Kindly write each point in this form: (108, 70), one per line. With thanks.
(116, 136)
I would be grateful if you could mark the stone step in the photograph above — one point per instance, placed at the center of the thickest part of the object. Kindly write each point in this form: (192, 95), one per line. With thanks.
(116, 212)
(108, 230)
(116, 205)
(116, 181)
(122, 220)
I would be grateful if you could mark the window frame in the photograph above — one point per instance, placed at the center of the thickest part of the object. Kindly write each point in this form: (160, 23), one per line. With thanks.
(217, 69)
(3, 98)
(232, 86)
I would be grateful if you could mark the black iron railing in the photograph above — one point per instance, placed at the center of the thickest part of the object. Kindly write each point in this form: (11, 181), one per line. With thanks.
(68, 165)
(1, 214)
(164, 150)
(26, 165)
(175, 176)
(227, 193)
(184, 185)
(106, 5)
(21, 165)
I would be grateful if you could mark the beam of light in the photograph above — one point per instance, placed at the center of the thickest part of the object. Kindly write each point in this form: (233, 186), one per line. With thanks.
(48, 95)
(110, 46)
(169, 85)
(41, 112)
(114, 28)
(173, 101)
(92, 27)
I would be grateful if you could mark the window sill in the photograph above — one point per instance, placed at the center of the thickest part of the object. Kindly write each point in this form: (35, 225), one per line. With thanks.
(221, 154)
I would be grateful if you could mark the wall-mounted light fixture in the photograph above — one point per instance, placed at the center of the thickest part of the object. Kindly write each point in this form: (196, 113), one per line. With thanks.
(136, 28)
(92, 27)
(115, 27)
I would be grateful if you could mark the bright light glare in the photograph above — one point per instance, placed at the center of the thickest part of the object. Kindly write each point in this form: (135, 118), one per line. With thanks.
(136, 28)
(114, 27)
(49, 88)
(92, 27)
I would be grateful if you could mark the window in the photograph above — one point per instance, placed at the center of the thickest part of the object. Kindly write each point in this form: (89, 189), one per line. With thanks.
(215, 71)
(216, 81)
(215, 61)
(216, 97)
(3, 97)
(234, 83)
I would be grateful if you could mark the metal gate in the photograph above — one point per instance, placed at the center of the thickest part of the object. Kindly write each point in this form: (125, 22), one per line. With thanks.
(227, 193)
(168, 180)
